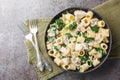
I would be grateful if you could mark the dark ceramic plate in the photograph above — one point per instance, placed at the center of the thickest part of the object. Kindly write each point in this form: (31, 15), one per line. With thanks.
(71, 10)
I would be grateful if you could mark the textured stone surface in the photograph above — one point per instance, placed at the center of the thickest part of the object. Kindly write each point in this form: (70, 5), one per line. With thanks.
(13, 54)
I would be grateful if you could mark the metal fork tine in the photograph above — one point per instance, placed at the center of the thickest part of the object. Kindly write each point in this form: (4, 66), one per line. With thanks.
(30, 25)
(42, 61)
(35, 23)
(23, 28)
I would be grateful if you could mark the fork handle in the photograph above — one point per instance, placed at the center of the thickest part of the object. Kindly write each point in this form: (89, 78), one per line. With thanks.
(39, 57)
(46, 63)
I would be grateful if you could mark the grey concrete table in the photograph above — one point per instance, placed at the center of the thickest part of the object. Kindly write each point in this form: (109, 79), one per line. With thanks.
(13, 54)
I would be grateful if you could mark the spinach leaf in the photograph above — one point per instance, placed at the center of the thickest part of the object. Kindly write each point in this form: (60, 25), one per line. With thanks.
(69, 35)
(84, 58)
(60, 24)
(50, 39)
(63, 56)
(99, 49)
(90, 63)
(84, 35)
(55, 47)
(95, 28)
(63, 45)
(78, 42)
(86, 51)
(53, 25)
(72, 26)
(74, 41)
(88, 40)
(78, 33)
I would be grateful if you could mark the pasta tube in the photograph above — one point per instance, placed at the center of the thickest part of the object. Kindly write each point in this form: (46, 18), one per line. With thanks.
(69, 17)
(89, 14)
(97, 55)
(58, 61)
(60, 40)
(66, 61)
(84, 67)
(96, 62)
(104, 46)
(65, 66)
(80, 39)
(101, 23)
(71, 67)
(51, 53)
(65, 51)
(82, 53)
(85, 21)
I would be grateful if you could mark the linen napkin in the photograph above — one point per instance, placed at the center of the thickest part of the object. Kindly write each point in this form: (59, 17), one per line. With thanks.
(109, 11)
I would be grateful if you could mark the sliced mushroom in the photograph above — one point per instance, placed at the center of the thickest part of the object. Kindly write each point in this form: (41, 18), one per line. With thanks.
(78, 47)
(85, 22)
(94, 21)
(50, 34)
(101, 23)
(98, 38)
(75, 60)
(66, 61)
(60, 40)
(66, 40)
(65, 51)
(79, 14)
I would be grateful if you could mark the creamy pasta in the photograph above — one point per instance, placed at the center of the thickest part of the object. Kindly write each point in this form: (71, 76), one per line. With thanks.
(77, 41)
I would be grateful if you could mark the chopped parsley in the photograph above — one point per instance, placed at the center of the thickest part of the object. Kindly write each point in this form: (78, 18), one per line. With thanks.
(63, 45)
(69, 35)
(90, 63)
(88, 40)
(99, 49)
(53, 25)
(60, 24)
(72, 26)
(95, 28)
(83, 58)
(50, 39)
(78, 33)
(55, 47)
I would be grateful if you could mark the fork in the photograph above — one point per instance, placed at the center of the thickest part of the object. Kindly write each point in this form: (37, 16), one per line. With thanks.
(34, 30)
(29, 36)
(26, 32)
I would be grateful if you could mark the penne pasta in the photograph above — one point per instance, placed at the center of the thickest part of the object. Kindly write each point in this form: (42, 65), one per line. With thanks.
(84, 67)
(69, 17)
(82, 53)
(66, 61)
(59, 40)
(65, 51)
(96, 62)
(89, 14)
(65, 67)
(94, 21)
(77, 40)
(71, 67)
(85, 21)
(51, 53)
(91, 34)
(58, 61)
(101, 23)
(80, 39)
(104, 46)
